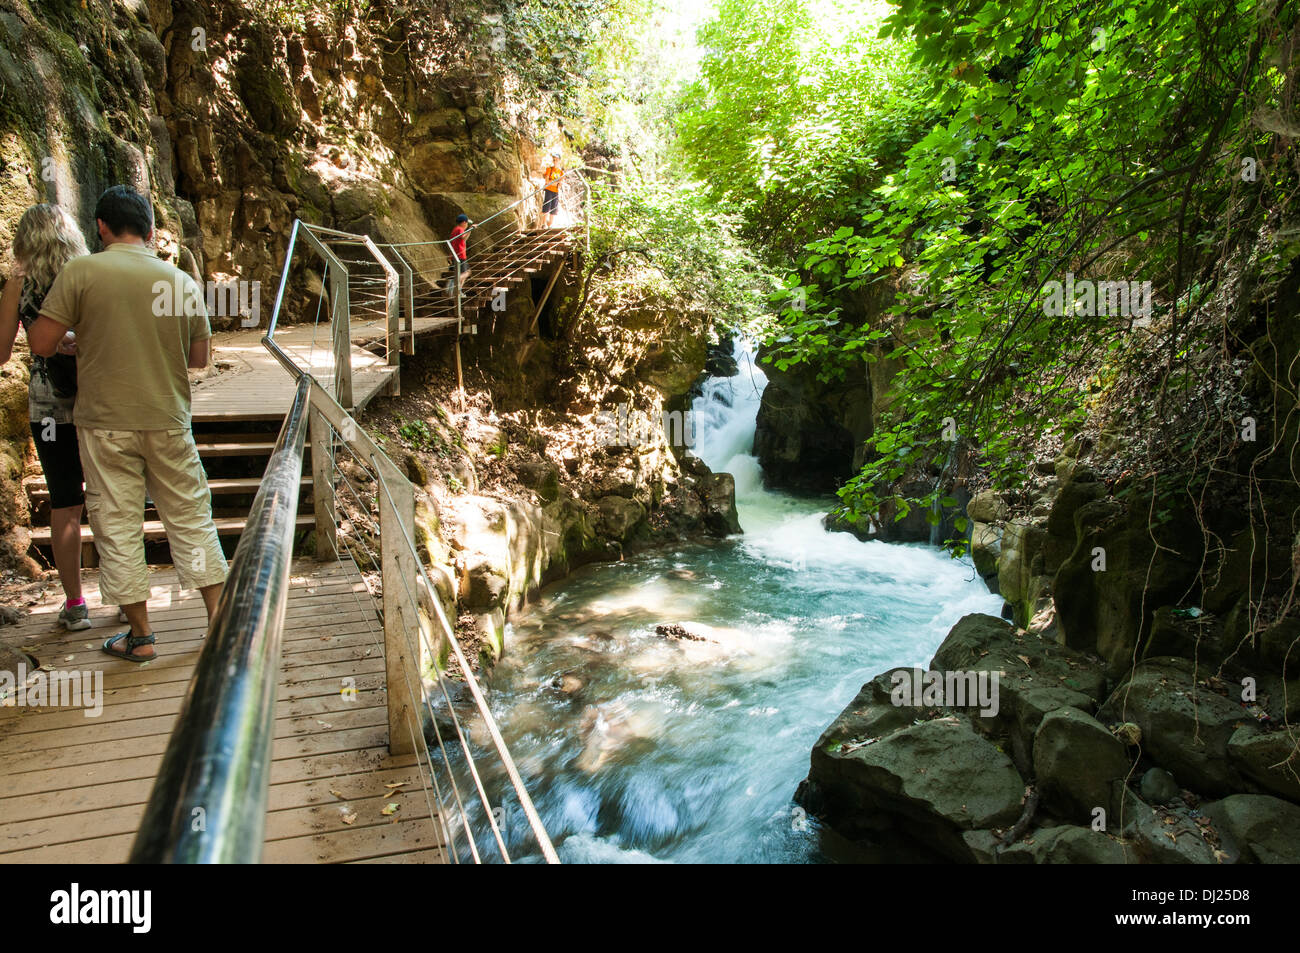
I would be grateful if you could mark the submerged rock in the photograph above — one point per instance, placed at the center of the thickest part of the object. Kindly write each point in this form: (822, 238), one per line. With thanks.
(675, 632)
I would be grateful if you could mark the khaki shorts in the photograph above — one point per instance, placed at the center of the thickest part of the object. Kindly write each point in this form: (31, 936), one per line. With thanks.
(120, 467)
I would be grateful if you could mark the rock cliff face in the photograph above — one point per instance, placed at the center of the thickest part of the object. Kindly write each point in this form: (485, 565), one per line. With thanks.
(235, 127)
(1063, 766)
(1149, 680)
(809, 434)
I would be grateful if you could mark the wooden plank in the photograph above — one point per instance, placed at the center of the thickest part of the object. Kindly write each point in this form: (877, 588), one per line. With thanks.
(73, 788)
(155, 531)
(294, 816)
(38, 492)
(350, 845)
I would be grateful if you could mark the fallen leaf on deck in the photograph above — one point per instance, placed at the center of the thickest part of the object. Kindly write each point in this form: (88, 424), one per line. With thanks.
(392, 808)
(349, 817)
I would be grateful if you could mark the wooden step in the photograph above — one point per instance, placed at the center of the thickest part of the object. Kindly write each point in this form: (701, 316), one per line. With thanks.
(38, 491)
(256, 448)
(238, 416)
(154, 532)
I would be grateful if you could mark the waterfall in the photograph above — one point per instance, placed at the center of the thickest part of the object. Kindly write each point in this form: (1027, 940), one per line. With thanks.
(725, 415)
(691, 750)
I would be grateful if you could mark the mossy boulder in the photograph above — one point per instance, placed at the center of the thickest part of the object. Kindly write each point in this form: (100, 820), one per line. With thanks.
(1186, 727)
(1077, 761)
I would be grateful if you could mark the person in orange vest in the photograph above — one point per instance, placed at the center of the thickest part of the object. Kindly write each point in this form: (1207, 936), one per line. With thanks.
(553, 174)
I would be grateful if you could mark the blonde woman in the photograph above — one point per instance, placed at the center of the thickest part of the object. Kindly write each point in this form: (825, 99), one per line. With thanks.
(47, 238)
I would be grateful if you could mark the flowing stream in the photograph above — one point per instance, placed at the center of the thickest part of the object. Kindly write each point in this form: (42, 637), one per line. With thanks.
(636, 747)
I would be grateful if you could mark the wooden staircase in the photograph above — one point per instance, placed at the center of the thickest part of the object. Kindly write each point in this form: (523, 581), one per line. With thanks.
(234, 455)
(236, 427)
(509, 264)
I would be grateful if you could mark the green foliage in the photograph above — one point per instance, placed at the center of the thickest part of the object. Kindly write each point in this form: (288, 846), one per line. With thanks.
(419, 435)
(797, 105)
(673, 244)
(924, 184)
(561, 48)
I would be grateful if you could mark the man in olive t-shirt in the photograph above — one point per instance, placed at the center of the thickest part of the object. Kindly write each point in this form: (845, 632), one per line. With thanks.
(139, 324)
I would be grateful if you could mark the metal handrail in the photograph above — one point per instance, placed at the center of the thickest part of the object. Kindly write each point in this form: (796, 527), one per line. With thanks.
(208, 803)
(338, 417)
(334, 411)
(501, 211)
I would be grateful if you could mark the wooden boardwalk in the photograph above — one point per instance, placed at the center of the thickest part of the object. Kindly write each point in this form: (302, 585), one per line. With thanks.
(255, 387)
(73, 788)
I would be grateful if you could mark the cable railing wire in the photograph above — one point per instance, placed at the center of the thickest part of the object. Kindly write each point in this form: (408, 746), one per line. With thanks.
(424, 594)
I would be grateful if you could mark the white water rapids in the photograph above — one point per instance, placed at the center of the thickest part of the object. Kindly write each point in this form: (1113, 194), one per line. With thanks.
(638, 748)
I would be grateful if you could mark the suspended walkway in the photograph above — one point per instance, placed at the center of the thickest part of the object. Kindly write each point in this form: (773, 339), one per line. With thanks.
(329, 713)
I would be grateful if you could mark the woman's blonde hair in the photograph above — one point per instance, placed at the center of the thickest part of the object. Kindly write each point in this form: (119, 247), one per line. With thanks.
(46, 239)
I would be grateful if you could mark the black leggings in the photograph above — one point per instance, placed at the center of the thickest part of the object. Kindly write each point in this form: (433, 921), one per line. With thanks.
(61, 460)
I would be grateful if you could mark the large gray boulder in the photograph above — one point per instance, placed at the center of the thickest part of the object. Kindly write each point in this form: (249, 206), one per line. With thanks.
(1185, 726)
(1065, 845)
(987, 506)
(1171, 837)
(1266, 829)
(1271, 760)
(985, 550)
(927, 782)
(1034, 677)
(1077, 762)
(718, 494)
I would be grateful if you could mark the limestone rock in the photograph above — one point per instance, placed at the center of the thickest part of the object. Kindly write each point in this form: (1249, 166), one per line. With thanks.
(1035, 677)
(618, 516)
(718, 493)
(987, 507)
(1185, 727)
(1266, 829)
(1271, 760)
(1159, 787)
(986, 548)
(809, 435)
(542, 477)
(931, 781)
(1064, 845)
(1076, 761)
